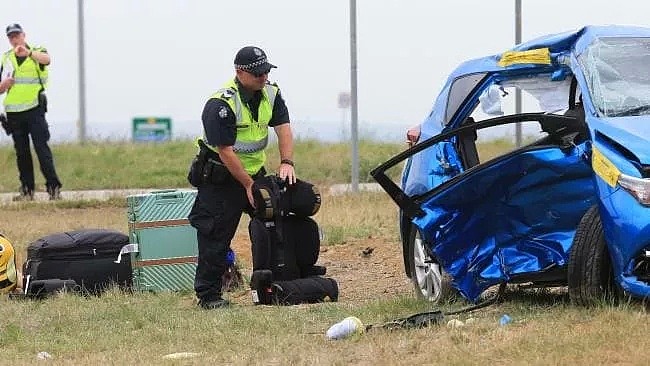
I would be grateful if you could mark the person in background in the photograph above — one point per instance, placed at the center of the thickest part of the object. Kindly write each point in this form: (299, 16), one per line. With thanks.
(23, 76)
(235, 123)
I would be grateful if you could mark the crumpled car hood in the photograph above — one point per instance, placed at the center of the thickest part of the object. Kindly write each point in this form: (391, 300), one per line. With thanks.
(635, 131)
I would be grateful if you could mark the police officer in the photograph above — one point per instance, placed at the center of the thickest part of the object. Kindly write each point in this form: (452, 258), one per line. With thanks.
(235, 122)
(24, 77)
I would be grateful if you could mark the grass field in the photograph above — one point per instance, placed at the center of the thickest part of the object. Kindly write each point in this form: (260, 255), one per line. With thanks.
(128, 165)
(143, 165)
(123, 329)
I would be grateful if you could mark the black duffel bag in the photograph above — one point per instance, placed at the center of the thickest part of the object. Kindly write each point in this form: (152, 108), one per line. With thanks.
(86, 257)
(314, 289)
(305, 290)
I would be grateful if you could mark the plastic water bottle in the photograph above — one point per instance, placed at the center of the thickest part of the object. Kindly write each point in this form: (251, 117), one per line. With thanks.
(345, 328)
(505, 319)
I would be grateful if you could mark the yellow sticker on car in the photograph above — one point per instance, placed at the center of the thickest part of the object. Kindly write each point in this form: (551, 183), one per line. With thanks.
(604, 167)
(536, 56)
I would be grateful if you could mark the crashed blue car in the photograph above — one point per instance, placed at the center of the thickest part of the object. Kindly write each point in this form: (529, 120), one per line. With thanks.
(569, 206)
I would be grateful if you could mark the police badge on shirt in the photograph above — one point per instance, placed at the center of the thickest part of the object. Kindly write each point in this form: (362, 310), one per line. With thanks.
(223, 112)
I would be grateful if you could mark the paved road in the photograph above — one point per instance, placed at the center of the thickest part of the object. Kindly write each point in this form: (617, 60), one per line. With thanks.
(102, 195)
(105, 194)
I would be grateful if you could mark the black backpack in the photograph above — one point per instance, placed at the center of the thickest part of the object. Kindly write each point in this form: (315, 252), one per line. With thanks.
(274, 198)
(289, 250)
(286, 243)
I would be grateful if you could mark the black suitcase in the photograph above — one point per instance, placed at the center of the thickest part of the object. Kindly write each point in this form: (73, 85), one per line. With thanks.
(83, 256)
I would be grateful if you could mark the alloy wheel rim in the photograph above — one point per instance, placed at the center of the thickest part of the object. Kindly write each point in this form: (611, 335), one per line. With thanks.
(427, 274)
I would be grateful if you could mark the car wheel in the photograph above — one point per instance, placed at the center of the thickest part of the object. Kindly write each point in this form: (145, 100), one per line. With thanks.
(430, 281)
(590, 276)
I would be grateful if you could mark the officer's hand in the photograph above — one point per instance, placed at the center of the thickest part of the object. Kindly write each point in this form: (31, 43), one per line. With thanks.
(412, 135)
(6, 83)
(21, 51)
(286, 172)
(249, 194)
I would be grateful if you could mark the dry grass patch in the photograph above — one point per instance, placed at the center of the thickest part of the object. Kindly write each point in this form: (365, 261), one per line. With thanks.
(123, 328)
(120, 328)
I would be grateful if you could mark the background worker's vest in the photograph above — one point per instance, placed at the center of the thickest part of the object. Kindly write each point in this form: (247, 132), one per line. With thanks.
(29, 80)
(8, 273)
(252, 136)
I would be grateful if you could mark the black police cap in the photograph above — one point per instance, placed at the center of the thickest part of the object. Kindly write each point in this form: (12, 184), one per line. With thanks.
(253, 59)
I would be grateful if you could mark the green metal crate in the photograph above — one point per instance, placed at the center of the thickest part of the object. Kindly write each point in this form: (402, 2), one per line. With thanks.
(167, 250)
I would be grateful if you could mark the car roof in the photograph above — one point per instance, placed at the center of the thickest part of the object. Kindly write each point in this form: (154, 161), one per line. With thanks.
(576, 41)
(556, 43)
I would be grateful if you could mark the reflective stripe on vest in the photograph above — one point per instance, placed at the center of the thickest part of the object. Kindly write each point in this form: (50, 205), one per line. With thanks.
(251, 147)
(21, 107)
(29, 80)
(26, 80)
(271, 92)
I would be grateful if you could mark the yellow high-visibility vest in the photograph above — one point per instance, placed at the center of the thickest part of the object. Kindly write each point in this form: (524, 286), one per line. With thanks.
(252, 136)
(29, 80)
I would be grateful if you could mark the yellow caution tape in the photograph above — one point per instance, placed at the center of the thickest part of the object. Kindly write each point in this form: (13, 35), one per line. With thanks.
(536, 56)
(604, 168)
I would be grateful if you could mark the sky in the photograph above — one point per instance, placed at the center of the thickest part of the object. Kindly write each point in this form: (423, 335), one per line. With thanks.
(164, 58)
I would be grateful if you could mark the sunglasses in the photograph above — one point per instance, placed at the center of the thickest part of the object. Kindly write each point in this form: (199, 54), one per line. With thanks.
(258, 74)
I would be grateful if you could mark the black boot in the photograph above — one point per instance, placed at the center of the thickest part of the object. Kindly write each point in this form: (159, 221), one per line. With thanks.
(25, 194)
(214, 304)
(54, 192)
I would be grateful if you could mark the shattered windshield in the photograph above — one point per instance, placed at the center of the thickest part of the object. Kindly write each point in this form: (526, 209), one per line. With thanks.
(618, 75)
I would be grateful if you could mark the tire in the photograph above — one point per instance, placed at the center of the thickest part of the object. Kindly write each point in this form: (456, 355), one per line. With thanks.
(590, 275)
(429, 279)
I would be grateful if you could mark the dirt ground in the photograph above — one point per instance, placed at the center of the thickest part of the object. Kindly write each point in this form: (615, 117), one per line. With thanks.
(361, 277)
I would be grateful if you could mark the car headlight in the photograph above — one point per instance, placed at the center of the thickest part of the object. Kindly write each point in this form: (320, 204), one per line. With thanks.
(638, 187)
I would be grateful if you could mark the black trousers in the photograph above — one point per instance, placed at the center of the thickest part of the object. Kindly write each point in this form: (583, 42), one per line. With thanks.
(216, 214)
(32, 123)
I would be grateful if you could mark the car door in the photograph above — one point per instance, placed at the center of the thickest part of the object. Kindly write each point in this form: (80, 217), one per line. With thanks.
(509, 218)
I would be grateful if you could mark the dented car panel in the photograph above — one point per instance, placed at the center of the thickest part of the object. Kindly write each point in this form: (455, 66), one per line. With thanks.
(514, 218)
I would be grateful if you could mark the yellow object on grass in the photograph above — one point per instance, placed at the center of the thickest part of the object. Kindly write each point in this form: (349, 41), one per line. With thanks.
(8, 274)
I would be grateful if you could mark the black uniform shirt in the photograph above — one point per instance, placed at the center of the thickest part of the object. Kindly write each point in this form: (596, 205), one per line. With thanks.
(219, 120)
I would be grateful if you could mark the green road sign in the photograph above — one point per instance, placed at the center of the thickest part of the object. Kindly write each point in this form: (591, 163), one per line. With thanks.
(152, 129)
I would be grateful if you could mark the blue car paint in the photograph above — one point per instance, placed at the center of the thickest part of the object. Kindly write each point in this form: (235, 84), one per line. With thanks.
(513, 217)
(625, 222)
(529, 237)
(632, 132)
(440, 162)
(630, 230)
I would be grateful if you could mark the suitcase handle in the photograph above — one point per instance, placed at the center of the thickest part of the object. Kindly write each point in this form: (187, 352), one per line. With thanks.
(167, 194)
